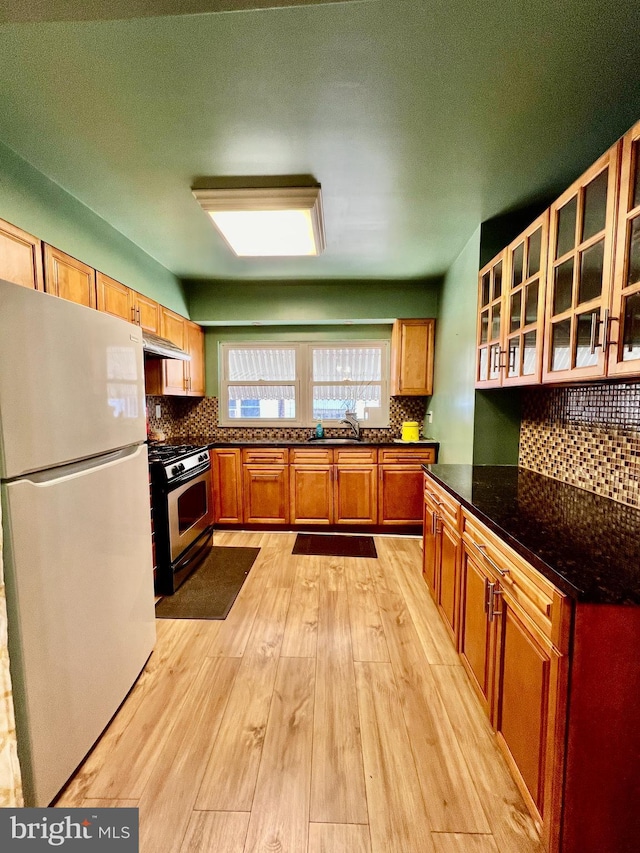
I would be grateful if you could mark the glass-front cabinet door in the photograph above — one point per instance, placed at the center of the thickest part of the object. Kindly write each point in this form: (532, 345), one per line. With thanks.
(526, 263)
(490, 351)
(624, 349)
(579, 274)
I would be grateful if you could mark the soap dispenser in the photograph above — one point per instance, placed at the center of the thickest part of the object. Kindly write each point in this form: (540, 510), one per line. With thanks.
(319, 431)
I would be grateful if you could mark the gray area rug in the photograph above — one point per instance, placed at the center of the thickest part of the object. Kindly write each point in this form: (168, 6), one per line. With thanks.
(212, 588)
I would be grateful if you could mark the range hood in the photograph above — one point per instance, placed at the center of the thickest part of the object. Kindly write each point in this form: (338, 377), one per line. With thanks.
(158, 347)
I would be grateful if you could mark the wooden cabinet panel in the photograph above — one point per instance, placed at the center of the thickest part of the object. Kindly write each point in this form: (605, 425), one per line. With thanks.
(624, 336)
(20, 257)
(265, 455)
(400, 493)
(489, 333)
(115, 298)
(579, 274)
(412, 345)
(266, 494)
(415, 455)
(227, 485)
(477, 634)
(430, 544)
(194, 369)
(173, 327)
(147, 313)
(523, 697)
(68, 278)
(448, 596)
(356, 494)
(311, 494)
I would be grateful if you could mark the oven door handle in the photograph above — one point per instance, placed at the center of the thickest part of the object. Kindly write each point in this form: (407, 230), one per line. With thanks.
(188, 476)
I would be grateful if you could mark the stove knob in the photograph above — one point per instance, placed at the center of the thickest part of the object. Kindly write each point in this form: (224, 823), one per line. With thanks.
(181, 466)
(175, 470)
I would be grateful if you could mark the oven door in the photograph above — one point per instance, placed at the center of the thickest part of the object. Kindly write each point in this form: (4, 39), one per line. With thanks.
(190, 513)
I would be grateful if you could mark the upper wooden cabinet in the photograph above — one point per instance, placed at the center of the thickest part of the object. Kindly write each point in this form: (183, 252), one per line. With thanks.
(511, 291)
(69, 278)
(624, 336)
(580, 274)
(490, 328)
(114, 298)
(121, 301)
(412, 344)
(20, 257)
(146, 313)
(194, 369)
(562, 302)
(169, 375)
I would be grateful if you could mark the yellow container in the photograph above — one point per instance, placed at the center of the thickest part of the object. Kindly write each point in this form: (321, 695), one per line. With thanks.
(411, 431)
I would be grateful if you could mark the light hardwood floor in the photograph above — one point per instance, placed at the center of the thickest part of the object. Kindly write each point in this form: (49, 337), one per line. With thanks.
(327, 714)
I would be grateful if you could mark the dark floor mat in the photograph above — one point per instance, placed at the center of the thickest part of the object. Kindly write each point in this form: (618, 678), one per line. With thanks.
(211, 590)
(334, 546)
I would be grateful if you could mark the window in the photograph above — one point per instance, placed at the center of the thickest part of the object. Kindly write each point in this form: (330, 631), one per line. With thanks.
(300, 384)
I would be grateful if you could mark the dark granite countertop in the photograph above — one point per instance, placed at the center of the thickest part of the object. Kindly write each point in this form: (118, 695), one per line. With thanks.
(204, 441)
(587, 545)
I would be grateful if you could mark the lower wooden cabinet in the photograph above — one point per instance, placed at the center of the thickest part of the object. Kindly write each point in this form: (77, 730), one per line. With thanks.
(400, 483)
(265, 485)
(477, 632)
(324, 486)
(226, 465)
(441, 555)
(311, 486)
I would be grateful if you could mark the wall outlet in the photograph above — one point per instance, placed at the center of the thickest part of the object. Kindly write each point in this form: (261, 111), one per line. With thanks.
(158, 411)
(429, 417)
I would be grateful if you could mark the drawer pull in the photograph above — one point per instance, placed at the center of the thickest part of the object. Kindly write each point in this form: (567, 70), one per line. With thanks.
(483, 551)
(434, 499)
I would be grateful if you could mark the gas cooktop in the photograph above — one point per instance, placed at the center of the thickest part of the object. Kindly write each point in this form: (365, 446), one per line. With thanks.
(173, 452)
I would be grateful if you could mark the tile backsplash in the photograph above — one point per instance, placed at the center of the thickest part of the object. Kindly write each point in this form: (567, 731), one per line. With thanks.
(587, 436)
(188, 417)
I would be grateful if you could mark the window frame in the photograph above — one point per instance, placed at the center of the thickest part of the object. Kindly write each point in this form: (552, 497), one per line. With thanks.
(303, 383)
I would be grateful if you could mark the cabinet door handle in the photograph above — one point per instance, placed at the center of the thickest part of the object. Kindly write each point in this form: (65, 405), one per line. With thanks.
(139, 321)
(483, 552)
(133, 314)
(486, 595)
(434, 523)
(595, 322)
(493, 592)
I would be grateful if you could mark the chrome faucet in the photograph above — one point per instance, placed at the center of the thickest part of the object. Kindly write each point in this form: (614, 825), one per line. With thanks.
(351, 419)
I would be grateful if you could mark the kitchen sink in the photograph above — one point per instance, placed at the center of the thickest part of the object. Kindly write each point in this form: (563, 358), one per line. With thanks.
(334, 440)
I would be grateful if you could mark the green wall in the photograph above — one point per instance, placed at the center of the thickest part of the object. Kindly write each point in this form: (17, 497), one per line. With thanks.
(453, 401)
(301, 302)
(31, 201)
(237, 334)
(497, 427)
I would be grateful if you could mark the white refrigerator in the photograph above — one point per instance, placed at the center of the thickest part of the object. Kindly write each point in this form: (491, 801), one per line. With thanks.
(76, 526)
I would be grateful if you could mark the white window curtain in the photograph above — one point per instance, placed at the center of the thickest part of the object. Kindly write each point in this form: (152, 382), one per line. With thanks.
(10, 778)
(299, 383)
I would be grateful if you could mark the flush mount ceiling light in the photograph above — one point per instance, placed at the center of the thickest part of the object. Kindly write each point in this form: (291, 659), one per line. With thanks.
(267, 221)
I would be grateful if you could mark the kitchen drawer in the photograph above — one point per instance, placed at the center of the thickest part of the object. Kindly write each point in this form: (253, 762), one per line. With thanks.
(418, 455)
(536, 596)
(311, 455)
(448, 506)
(355, 455)
(264, 455)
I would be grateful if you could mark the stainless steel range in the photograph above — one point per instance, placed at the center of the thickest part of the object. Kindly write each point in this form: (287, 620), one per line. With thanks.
(182, 511)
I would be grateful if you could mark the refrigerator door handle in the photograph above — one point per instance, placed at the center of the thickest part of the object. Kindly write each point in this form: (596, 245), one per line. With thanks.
(75, 469)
